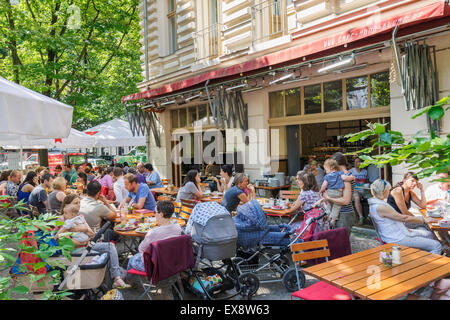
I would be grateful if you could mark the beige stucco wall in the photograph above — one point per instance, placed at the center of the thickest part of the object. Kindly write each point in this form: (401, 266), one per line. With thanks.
(401, 119)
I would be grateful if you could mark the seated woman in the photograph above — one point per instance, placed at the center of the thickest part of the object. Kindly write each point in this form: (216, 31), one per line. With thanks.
(82, 181)
(191, 187)
(391, 224)
(56, 197)
(25, 188)
(165, 230)
(71, 208)
(236, 194)
(309, 194)
(226, 180)
(402, 194)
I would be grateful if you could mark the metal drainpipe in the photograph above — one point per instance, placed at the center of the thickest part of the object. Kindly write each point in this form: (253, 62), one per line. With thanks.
(394, 46)
(147, 75)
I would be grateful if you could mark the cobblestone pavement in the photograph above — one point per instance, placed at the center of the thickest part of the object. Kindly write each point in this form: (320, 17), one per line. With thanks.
(361, 239)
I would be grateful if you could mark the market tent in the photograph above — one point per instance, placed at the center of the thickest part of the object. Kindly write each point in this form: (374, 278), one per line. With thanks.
(115, 133)
(24, 112)
(75, 140)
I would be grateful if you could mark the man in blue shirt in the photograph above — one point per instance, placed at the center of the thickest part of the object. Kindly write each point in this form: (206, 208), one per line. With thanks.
(138, 192)
(153, 179)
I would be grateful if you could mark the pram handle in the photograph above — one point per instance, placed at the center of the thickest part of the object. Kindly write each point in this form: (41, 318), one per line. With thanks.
(101, 231)
(320, 216)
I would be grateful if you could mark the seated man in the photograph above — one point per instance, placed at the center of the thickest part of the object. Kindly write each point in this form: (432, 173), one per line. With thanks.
(139, 193)
(38, 196)
(12, 186)
(95, 207)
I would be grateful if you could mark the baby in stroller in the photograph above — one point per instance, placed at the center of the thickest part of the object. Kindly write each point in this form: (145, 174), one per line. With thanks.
(253, 229)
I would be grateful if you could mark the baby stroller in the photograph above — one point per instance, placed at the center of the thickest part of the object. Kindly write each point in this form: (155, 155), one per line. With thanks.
(264, 250)
(214, 238)
(84, 281)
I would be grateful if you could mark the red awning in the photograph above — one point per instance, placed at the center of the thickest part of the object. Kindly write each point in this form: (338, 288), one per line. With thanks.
(433, 11)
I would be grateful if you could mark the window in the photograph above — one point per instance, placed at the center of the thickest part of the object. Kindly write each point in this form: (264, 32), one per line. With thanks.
(202, 116)
(332, 96)
(174, 118)
(357, 93)
(313, 99)
(183, 117)
(171, 16)
(192, 115)
(292, 100)
(276, 104)
(380, 92)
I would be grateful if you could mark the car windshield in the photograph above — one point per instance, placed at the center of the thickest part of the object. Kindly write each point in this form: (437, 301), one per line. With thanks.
(76, 160)
(100, 162)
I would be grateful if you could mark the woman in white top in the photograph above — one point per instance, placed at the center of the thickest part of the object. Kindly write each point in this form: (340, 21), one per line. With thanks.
(226, 180)
(391, 225)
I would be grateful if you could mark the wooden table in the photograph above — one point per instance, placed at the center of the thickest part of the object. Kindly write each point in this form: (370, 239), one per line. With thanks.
(431, 225)
(133, 233)
(273, 190)
(356, 273)
(281, 212)
(165, 191)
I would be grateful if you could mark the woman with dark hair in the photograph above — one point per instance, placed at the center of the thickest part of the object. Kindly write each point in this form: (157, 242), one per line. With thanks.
(125, 168)
(82, 181)
(25, 188)
(191, 187)
(309, 194)
(402, 193)
(347, 214)
(226, 180)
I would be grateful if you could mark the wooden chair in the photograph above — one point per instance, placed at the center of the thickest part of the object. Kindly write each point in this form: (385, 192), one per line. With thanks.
(164, 198)
(376, 229)
(320, 290)
(289, 194)
(188, 203)
(185, 213)
(165, 182)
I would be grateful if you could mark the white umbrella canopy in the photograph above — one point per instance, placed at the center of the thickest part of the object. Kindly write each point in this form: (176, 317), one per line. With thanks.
(24, 112)
(75, 140)
(115, 133)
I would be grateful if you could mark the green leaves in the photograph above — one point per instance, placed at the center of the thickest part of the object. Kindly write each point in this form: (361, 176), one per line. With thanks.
(424, 152)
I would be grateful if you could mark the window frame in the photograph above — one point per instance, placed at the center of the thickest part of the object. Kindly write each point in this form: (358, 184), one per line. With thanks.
(172, 15)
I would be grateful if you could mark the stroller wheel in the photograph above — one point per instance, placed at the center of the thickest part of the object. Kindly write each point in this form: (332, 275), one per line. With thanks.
(248, 284)
(290, 280)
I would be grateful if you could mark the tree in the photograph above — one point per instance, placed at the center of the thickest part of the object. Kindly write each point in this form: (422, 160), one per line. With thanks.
(427, 153)
(85, 53)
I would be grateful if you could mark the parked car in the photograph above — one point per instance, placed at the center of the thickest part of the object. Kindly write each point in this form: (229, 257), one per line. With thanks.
(97, 162)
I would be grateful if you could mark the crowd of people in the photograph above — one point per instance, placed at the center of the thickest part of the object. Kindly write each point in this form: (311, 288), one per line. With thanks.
(121, 186)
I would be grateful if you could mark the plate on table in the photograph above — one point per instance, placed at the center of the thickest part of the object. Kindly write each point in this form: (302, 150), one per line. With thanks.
(277, 208)
(215, 197)
(126, 227)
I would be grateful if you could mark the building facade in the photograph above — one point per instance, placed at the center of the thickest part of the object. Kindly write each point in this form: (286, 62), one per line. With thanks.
(270, 83)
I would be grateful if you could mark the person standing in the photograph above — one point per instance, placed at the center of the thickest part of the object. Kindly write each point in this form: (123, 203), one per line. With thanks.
(346, 216)
(317, 171)
(12, 186)
(139, 193)
(153, 179)
(38, 196)
(360, 179)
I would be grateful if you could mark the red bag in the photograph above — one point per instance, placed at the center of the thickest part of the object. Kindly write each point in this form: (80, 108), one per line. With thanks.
(309, 232)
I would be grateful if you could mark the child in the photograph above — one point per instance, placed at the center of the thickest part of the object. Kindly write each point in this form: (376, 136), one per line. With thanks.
(333, 184)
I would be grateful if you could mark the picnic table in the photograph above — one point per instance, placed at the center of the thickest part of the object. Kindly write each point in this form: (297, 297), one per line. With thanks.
(363, 275)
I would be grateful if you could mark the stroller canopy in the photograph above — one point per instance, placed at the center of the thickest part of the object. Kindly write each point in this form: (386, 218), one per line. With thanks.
(250, 216)
(203, 212)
